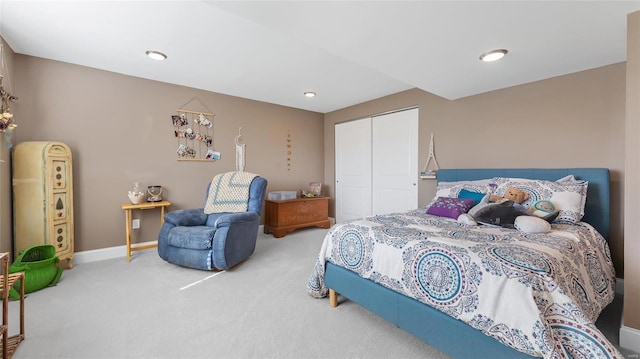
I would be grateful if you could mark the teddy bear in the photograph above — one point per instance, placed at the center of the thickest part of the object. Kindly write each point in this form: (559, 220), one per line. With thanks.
(511, 194)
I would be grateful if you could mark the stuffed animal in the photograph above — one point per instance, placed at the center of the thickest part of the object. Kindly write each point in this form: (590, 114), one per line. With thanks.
(504, 214)
(531, 224)
(511, 194)
(508, 212)
(501, 214)
(542, 208)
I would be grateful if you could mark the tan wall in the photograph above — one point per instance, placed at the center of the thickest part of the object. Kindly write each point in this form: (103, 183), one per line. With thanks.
(632, 176)
(119, 130)
(575, 120)
(5, 154)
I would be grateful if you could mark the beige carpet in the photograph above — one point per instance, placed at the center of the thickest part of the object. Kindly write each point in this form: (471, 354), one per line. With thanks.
(260, 309)
(152, 309)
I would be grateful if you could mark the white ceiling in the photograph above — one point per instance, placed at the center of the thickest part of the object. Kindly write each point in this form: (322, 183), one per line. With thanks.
(346, 51)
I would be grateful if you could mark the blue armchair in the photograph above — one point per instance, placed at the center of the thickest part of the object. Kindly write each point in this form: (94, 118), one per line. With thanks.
(191, 238)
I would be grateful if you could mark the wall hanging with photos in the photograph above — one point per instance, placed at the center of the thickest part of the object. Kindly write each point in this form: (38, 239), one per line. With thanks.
(193, 131)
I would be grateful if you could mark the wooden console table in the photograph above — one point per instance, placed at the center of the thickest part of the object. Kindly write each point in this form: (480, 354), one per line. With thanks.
(282, 217)
(127, 218)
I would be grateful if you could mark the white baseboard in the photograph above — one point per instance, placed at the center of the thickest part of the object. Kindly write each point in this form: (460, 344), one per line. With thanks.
(101, 254)
(630, 339)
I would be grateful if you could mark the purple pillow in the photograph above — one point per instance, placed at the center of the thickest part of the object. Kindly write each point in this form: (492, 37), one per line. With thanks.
(450, 207)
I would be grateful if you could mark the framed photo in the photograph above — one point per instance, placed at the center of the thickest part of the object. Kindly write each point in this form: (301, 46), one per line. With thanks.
(315, 188)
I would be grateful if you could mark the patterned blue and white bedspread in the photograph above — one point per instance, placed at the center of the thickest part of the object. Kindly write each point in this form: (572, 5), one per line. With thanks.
(538, 293)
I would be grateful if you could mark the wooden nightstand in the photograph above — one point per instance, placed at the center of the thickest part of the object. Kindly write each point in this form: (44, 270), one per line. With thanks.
(128, 207)
(282, 217)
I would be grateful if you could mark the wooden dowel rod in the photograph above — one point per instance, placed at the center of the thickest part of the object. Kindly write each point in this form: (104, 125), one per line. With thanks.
(196, 112)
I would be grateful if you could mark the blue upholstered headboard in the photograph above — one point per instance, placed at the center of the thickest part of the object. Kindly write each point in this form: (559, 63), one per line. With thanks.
(596, 210)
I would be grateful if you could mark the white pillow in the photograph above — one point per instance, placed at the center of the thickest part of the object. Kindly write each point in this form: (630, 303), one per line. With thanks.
(570, 178)
(567, 178)
(531, 224)
(569, 197)
(452, 189)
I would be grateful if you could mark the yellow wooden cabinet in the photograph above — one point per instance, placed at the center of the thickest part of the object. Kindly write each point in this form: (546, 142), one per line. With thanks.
(43, 197)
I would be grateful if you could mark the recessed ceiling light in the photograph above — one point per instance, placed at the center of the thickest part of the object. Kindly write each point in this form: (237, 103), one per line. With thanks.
(493, 55)
(310, 94)
(156, 55)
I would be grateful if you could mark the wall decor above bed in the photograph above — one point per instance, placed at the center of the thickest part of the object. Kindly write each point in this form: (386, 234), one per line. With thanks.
(481, 291)
(426, 173)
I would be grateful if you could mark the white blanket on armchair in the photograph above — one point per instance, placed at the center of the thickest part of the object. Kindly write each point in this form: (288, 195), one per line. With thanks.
(229, 192)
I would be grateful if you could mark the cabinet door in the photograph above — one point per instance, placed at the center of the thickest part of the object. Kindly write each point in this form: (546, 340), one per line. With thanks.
(59, 227)
(376, 165)
(353, 169)
(59, 174)
(395, 162)
(60, 237)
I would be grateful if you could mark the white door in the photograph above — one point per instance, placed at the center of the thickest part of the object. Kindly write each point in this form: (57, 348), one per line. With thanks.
(395, 162)
(353, 169)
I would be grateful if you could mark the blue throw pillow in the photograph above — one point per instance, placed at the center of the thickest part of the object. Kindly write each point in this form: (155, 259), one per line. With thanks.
(475, 196)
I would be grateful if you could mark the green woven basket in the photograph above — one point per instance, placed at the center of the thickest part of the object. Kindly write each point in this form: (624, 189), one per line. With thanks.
(39, 266)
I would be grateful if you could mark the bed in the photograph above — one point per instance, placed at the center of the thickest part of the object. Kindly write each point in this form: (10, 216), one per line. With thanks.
(481, 291)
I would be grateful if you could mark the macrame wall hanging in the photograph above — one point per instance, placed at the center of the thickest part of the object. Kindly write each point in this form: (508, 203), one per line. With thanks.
(194, 132)
(426, 172)
(239, 152)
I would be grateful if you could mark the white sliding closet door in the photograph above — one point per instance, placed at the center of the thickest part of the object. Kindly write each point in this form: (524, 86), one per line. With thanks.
(353, 169)
(395, 162)
(376, 165)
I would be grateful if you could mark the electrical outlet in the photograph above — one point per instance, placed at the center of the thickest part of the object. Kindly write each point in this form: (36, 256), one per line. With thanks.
(135, 224)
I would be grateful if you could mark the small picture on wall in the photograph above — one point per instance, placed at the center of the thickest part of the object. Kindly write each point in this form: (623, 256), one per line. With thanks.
(185, 151)
(179, 120)
(212, 155)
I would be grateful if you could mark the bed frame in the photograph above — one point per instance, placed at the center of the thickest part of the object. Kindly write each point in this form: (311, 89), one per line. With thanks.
(437, 329)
